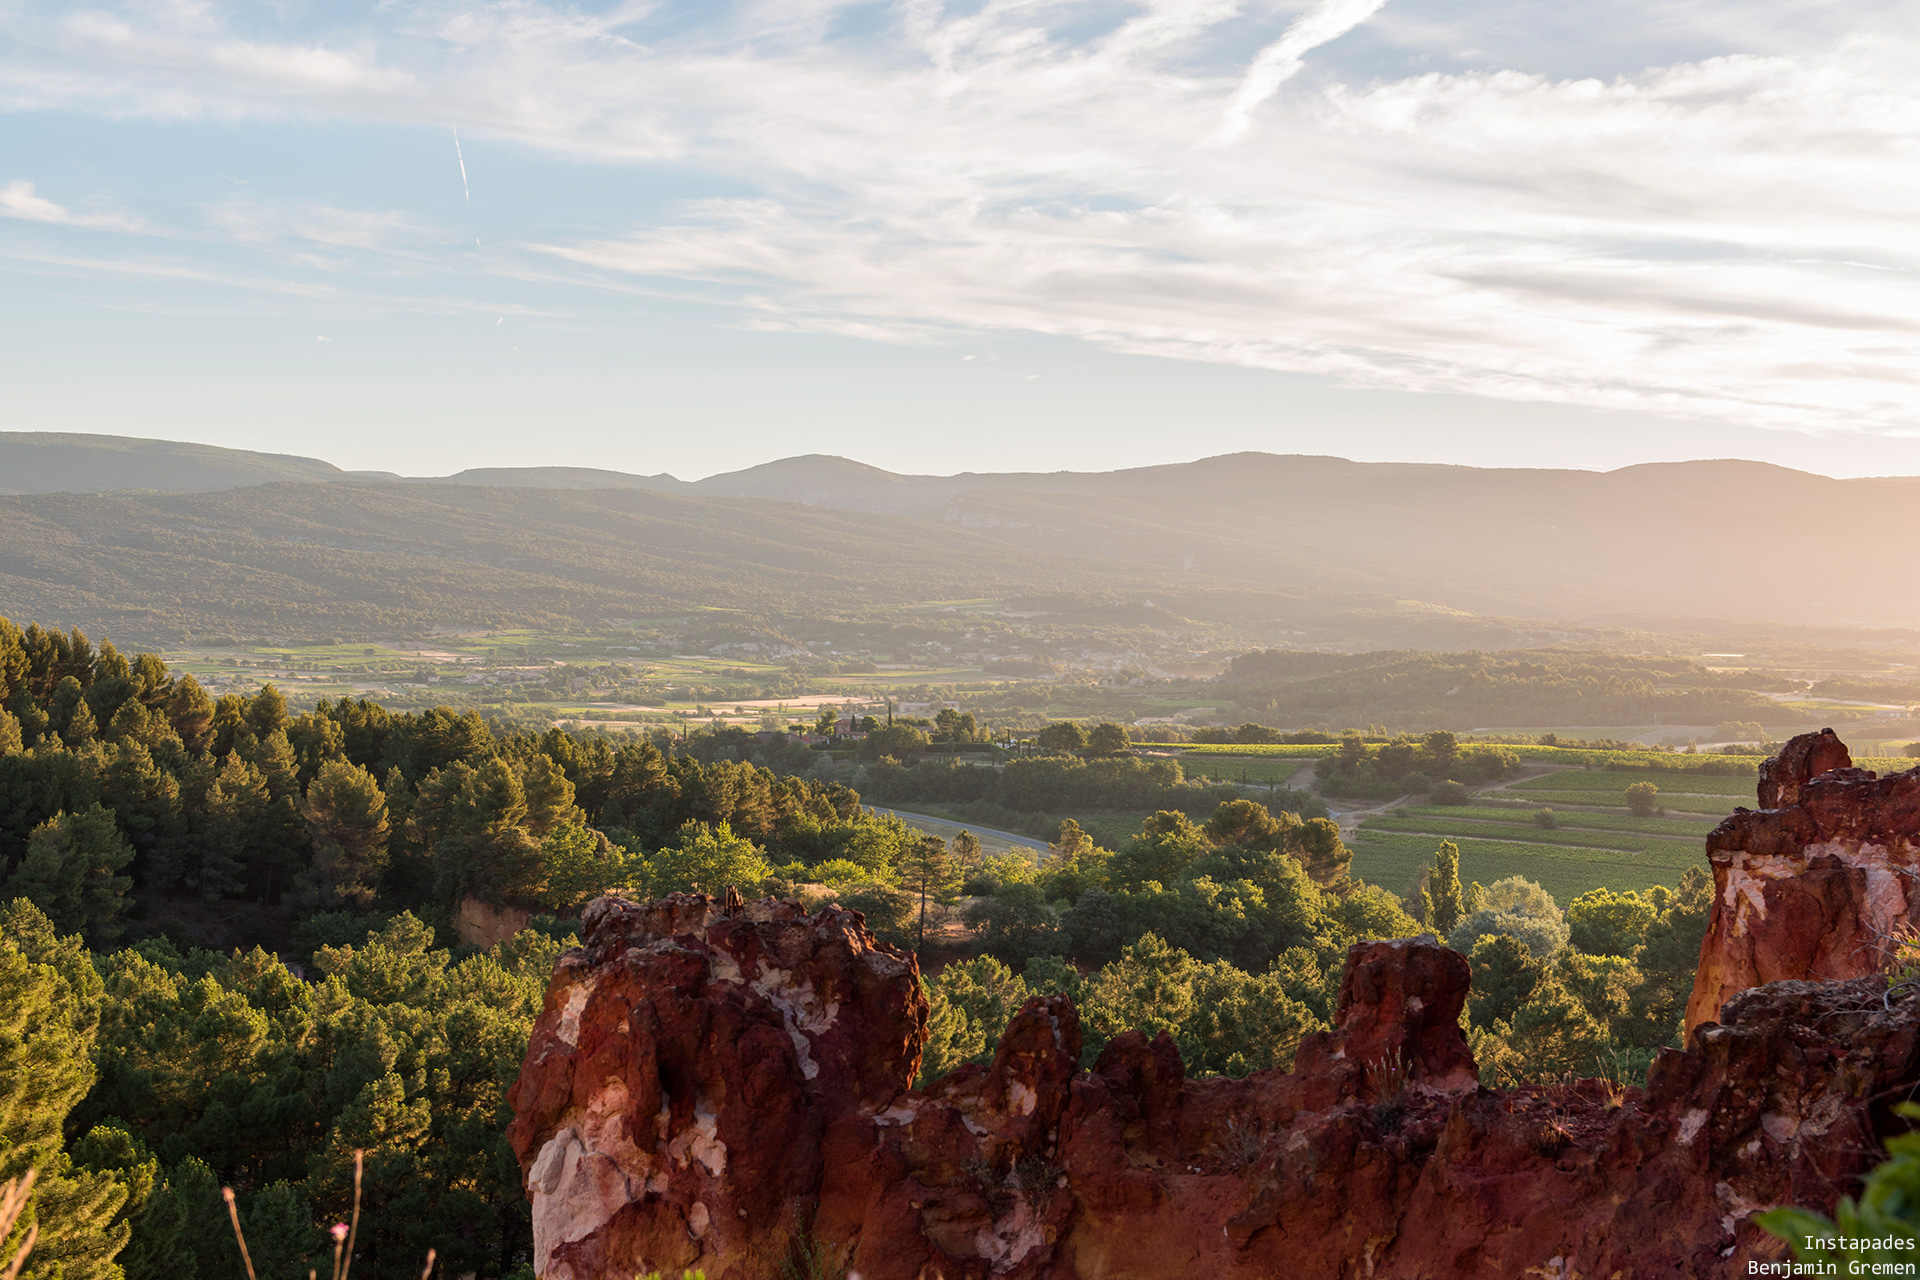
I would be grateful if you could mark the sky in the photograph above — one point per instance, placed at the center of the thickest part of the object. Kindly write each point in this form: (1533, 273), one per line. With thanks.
(982, 235)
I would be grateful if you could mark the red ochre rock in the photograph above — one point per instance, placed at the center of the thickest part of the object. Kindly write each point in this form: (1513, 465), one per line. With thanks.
(728, 1090)
(683, 1073)
(1817, 883)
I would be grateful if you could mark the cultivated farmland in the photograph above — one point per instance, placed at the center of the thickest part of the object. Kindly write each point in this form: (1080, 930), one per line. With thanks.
(1595, 842)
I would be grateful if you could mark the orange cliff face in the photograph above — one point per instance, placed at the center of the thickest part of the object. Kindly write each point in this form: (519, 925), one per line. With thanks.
(726, 1087)
(1817, 884)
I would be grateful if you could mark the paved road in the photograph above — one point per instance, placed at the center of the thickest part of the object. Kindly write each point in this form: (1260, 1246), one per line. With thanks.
(991, 840)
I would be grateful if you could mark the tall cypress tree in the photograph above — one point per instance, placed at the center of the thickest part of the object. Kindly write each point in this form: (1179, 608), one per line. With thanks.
(1444, 898)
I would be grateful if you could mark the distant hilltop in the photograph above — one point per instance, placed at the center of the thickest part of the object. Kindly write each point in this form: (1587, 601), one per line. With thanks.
(61, 462)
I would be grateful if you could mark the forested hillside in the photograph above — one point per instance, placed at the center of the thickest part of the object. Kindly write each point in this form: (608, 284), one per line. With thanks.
(1323, 548)
(361, 559)
(61, 462)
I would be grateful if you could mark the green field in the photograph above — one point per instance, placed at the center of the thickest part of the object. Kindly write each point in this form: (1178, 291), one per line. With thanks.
(1528, 833)
(1672, 802)
(1707, 794)
(1600, 845)
(1393, 860)
(1569, 819)
(1617, 781)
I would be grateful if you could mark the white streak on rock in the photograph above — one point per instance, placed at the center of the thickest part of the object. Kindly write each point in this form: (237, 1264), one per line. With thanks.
(568, 1032)
(801, 1009)
(575, 1191)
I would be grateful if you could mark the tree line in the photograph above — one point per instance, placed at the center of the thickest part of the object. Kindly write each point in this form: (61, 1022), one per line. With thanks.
(1240, 952)
(1460, 690)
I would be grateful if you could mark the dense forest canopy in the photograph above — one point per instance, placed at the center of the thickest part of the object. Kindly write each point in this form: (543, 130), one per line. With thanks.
(228, 933)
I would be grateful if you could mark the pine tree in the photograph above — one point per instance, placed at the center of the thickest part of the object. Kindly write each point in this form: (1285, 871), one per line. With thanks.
(927, 872)
(34, 721)
(967, 857)
(71, 872)
(81, 728)
(234, 806)
(1504, 975)
(472, 821)
(190, 711)
(549, 796)
(13, 658)
(1318, 847)
(144, 798)
(281, 1236)
(79, 658)
(316, 739)
(181, 1229)
(346, 812)
(130, 721)
(277, 841)
(267, 713)
(229, 723)
(273, 756)
(151, 682)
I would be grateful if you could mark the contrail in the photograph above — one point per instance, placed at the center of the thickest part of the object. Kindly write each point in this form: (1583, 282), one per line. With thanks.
(463, 165)
(1274, 65)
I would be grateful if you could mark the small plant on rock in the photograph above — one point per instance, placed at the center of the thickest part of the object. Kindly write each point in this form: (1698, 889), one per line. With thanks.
(1386, 1080)
(1243, 1143)
(1552, 1139)
(1037, 1177)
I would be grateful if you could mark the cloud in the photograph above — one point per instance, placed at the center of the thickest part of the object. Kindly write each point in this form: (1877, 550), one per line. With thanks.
(1283, 59)
(1722, 231)
(18, 199)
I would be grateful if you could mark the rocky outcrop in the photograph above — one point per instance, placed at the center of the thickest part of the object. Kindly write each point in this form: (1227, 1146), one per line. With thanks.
(727, 1088)
(683, 1075)
(1818, 883)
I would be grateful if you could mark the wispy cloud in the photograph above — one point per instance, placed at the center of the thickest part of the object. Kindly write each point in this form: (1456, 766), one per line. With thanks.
(318, 224)
(1726, 233)
(19, 199)
(1283, 59)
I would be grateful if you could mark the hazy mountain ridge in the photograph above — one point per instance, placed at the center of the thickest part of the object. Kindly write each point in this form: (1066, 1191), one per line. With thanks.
(58, 462)
(1740, 541)
(1734, 540)
(363, 558)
